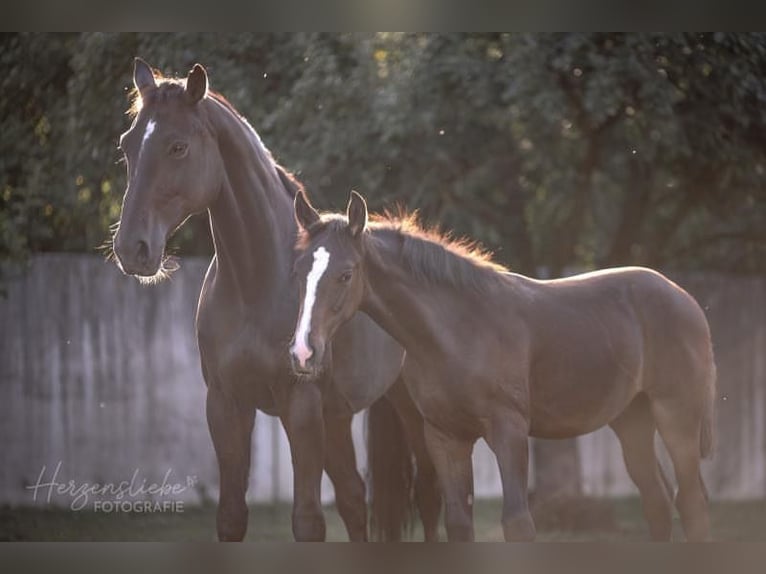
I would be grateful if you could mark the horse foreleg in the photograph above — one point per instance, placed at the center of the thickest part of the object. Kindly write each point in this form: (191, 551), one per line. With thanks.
(301, 415)
(231, 426)
(340, 463)
(507, 437)
(452, 459)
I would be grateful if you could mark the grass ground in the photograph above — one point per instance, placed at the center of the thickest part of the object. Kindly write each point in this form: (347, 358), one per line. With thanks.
(745, 521)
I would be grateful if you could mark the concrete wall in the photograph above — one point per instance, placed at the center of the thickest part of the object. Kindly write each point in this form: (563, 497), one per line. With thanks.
(101, 375)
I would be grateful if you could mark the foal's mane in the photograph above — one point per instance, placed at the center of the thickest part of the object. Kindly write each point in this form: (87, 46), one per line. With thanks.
(173, 88)
(427, 253)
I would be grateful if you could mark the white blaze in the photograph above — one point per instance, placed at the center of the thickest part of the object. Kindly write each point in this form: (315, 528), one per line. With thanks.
(301, 349)
(149, 129)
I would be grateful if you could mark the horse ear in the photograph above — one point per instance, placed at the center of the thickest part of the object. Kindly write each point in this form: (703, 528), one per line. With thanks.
(196, 84)
(305, 214)
(143, 77)
(357, 213)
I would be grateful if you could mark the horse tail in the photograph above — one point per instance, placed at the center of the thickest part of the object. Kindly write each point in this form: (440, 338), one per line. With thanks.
(390, 473)
(707, 430)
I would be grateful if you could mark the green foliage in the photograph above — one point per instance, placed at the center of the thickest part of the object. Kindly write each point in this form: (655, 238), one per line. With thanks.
(555, 150)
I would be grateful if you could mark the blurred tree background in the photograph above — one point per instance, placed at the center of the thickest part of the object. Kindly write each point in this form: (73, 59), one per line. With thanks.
(555, 150)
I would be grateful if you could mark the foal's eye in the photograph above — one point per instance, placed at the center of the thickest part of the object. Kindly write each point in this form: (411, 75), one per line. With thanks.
(178, 149)
(345, 277)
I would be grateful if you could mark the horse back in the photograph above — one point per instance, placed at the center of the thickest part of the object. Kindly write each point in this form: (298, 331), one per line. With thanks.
(654, 300)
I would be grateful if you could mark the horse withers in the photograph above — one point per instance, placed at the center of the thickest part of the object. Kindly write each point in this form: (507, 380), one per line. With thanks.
(498, 355)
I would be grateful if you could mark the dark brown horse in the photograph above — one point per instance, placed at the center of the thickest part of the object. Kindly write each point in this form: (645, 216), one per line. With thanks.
(189, 151)
(501, 356)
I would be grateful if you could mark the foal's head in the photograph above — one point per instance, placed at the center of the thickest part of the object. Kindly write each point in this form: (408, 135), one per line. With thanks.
(330, 268)
(174, 167)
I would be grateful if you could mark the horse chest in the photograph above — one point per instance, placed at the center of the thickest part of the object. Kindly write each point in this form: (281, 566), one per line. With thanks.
(244, 359)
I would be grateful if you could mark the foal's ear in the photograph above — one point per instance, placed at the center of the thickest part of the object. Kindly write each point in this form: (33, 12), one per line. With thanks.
(196, 84)
(356, 213)
(143, 77)
(305, 214)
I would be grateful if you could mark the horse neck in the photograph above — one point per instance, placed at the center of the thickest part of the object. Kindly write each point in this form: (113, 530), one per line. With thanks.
(251, 219)
(402, 304)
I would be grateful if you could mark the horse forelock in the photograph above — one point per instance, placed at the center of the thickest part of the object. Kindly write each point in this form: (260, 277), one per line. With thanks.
(330, 222)
(167, 88)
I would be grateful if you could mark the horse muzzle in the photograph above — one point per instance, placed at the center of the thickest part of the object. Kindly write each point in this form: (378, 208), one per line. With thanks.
(136, 257)
(305, 361)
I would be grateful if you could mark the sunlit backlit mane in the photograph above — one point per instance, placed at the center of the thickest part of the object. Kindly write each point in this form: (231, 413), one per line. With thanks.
(427, 253)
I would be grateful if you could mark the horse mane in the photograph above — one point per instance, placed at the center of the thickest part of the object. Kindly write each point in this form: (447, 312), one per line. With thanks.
(431, 255)
(171, 88)
(290, 182)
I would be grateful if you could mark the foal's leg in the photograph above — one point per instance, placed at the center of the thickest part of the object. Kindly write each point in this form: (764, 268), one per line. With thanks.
(635, 428)
(507, 437)
(301, 414)
(452, 459)
(427, 492)
(231, 427)
(340, 463)
(679, 426)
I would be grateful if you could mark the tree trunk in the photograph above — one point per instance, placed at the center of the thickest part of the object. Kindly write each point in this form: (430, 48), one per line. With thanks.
(635, 207)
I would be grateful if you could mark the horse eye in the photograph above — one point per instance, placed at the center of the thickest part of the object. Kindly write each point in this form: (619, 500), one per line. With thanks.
(178, 149)
(345, 277)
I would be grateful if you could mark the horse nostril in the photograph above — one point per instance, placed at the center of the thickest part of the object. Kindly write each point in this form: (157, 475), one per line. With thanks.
(301, 357)
(142, 254)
